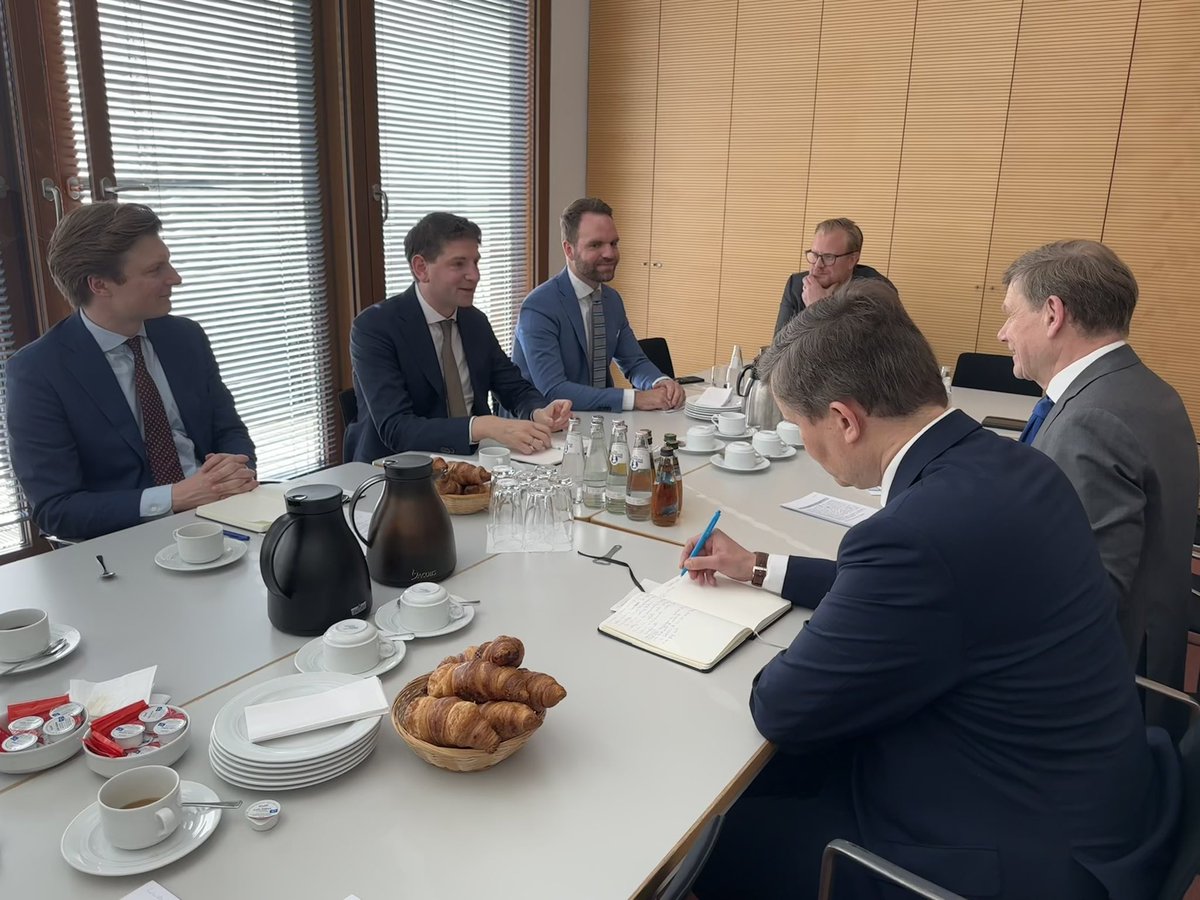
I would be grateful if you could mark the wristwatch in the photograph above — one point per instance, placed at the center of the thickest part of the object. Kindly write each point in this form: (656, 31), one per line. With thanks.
(760, 569)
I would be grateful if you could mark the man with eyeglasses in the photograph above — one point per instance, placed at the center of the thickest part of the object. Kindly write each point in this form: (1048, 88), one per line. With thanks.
(836, 246)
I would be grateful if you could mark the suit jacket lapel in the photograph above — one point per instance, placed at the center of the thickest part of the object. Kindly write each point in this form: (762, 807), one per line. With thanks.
(1115, 361)
(87, 363)
(414, 334)
(570, 302)
(932, 444)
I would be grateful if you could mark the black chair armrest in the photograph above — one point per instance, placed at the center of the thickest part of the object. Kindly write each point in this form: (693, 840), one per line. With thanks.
(881, 867)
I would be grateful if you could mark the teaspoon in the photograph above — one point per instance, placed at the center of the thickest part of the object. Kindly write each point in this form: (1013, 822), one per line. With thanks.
(105, 573)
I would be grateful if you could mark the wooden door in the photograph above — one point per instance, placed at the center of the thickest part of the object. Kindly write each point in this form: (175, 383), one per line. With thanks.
(622, 84)
(774, 84)
(953, 133)
(691, 154)
(1063, 117)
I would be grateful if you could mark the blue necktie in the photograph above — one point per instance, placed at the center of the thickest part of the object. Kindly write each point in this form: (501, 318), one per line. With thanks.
(1036, 419)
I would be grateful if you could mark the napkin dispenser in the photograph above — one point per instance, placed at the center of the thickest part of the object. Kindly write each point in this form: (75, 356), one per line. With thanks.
(312, 566)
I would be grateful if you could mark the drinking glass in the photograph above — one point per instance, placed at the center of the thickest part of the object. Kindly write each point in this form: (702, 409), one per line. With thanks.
(719, 376)
(505, 516)
(563, 526)
(539, 517)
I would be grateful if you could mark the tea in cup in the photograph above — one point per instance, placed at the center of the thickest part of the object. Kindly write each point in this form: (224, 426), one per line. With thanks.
(427, 607)
(768, 443)
(730, 423)
(350, 646)
(141, 807)
(23, 633)
(200, 542)
(700, 437)
(740, 455)
(789, 432)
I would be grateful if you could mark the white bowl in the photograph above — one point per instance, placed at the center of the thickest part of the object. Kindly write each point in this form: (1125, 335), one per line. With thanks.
(108, 766)
(45, 757)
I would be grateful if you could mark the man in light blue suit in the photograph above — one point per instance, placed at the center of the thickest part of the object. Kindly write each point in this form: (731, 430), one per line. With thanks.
(572, 327)
(118, 413)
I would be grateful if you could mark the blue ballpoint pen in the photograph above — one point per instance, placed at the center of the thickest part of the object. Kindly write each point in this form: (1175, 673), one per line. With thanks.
(703, 538)
(236, 536)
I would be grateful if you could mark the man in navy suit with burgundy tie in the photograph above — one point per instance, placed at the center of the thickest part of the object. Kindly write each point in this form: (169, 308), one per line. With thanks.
(960, 701)
(426, 360)
(118, 413)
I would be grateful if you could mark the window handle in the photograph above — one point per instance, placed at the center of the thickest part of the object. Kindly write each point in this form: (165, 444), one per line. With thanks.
(110, 186)
(51, 192)
(380, 195)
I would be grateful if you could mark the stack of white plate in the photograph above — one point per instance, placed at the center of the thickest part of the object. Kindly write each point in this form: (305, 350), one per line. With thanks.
(296, 761)
(705, 413)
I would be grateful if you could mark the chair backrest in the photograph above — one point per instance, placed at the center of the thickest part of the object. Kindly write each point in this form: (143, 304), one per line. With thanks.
(680, 884)
(348, 403)
(659, 353)
(991, 372)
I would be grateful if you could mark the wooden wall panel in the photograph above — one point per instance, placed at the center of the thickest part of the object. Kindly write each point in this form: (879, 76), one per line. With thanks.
(622, 86)
(862, 82)
(1063, 119)
(691, 152)
(1152, 209)
(774, 84)
(962, 65)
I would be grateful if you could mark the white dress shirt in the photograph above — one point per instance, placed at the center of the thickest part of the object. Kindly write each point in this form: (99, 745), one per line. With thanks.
(1059, 383)
(155, 501)
(587, 295)
(777, 562)
(435, 319)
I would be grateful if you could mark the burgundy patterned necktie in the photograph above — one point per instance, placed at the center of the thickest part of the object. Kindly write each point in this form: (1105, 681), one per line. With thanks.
(160, 446)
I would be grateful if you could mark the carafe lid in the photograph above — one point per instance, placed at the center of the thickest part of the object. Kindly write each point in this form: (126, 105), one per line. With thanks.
(408, 467)
(309, 499)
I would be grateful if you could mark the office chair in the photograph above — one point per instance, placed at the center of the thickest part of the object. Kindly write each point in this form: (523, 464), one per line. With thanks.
(659, 353)
(348, 403)
(991, 372)
(679, 885)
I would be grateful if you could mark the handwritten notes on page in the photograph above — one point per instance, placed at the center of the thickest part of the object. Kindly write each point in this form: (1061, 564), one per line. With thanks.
(831, 509)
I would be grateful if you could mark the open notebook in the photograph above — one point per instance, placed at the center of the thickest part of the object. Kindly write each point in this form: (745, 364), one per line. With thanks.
(692, 624)
(253, 511)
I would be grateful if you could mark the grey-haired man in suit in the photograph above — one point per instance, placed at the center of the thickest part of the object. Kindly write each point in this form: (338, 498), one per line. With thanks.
(1121, 434)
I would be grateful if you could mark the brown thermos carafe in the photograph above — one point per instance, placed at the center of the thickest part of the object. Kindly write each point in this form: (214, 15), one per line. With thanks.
(410, 537)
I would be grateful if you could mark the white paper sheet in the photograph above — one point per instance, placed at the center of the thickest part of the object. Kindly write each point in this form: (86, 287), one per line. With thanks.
(108, 696)
(713, 398)
(151, 890)
(348, 703)
(831, 509)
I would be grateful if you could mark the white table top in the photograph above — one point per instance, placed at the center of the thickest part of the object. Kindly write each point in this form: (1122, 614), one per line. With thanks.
(614, 767)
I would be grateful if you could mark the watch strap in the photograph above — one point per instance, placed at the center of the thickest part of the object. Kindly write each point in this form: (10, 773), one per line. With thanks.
(760, 569)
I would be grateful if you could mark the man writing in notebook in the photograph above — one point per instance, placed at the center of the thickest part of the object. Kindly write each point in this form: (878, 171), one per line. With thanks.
(426, 360)
(939, 688)
(118, 413)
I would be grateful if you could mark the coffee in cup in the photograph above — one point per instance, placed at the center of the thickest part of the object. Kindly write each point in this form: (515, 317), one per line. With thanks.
(740, 455)
(768, 443)
(350, 646)
(23, 633)
(141, 807)
(730, 423)
(200, 542)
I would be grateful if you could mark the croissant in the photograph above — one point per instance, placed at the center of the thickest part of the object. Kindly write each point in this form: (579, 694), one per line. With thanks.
(503, 651)
(465, 473)
(447, 485)
(481, 680)
(475, 489)
(509, 718)
(439, 465)
(449, 722)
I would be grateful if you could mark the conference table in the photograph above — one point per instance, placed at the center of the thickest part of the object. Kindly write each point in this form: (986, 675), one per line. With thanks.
(624, 772)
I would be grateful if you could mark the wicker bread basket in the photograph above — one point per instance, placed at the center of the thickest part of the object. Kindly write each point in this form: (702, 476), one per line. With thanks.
(452, 758)
(466, 504)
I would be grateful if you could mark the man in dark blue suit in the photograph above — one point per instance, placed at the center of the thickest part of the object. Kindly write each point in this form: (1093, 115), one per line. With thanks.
(573, 327)
(963, 669)
(118, 414)
(425, 360)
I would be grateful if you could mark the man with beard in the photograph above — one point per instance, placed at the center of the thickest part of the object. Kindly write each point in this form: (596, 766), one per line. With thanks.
(572, 327)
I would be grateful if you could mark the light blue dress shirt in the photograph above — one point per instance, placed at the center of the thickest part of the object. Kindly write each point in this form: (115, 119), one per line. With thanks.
(156, 501)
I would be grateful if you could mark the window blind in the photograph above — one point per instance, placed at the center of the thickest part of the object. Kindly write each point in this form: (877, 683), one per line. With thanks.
(213, 122)
(454, 120)
(12, 507)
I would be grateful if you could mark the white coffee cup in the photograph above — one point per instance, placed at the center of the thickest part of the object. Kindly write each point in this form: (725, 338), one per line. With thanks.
(740, 455)
(491, 457)
(768, 443)
(200, 542)
(427, 607)
(731, 423)
(789, 432)
(350, 646)
(23, 633)
(700, 437)
(140, 807)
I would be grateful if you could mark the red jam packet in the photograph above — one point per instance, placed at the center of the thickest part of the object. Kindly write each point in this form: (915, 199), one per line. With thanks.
(35, 707)
(122, 716)
(103, 745)
(5, 734)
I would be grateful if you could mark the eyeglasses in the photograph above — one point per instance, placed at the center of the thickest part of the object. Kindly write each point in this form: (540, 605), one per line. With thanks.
(828, 258)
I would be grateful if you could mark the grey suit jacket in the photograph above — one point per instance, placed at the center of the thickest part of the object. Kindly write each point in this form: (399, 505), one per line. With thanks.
(1123, 437)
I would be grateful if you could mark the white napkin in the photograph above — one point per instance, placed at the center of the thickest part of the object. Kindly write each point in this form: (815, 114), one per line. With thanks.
(714, 398)
(361, 699)
(104, 697)
(151, 890)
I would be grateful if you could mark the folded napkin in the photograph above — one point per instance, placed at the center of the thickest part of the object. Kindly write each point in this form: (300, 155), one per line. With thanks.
(101, 698)
(714, 398)
(361, 699)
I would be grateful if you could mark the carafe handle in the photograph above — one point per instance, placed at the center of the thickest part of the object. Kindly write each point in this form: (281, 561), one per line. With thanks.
(362, 488)
(741, 375)
(266, 554)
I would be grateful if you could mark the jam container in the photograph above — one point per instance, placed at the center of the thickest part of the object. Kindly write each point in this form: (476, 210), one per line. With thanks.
(128, 737)
(263, 815)
(153, 714)
(74, 711)
(18, 742)
(148, 747)
(58, 727)
(27, 725)
(167, 730)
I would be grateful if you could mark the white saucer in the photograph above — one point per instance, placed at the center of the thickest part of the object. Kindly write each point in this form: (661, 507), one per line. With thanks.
(748, 433)
(387, 618)
(787, 453)
(86, 848)
(706, 451)
(168, 558)
(311, 657)
(57, 631)
(719, 461)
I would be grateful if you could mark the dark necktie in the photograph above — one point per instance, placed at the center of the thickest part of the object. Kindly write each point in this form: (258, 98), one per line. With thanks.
(156, 430)
(1040, 411)
(456, 402)
(599, 344)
